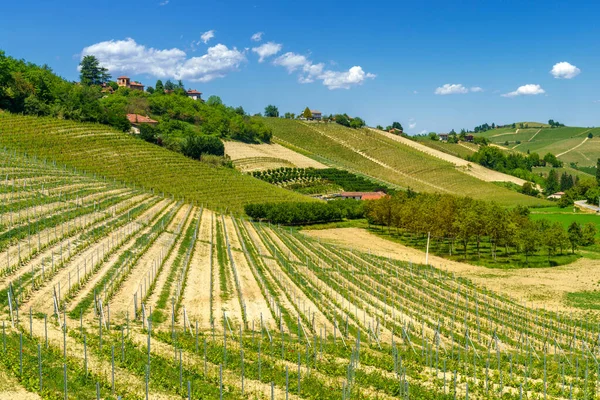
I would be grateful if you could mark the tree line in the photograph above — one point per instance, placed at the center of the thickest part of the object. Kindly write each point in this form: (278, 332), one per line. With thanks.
(464, 221)
(298, 213)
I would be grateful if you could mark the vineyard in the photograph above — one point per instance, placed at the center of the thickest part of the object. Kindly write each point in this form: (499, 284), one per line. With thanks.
(313, 181)
(109, 291)
(259, 157)
(382, 158)
(105, 152)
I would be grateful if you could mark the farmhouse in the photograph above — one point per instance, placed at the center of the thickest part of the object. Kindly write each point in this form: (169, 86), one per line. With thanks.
(124, 81)
(136, 120)
(443, 137)
(316, 114)
(469, 138)
(363, 195)
(194, 94)
(396, 131)
(556, 196)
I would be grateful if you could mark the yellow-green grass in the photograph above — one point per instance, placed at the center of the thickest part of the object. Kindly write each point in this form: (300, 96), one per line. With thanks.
(459, 150)
(566, 216)
(101, 150)
(571, 171)
(375, 155)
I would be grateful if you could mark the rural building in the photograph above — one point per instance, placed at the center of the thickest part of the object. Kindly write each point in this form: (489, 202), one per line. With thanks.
(124, 81)
(556, 196)
(396, 131)
(194, 94)
(136, 120)
(363, 195)
(443, 137)
(316, 114)
(469, 138)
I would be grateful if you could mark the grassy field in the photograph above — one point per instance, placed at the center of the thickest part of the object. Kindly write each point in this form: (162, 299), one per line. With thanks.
(566, 216)
(99, 150)
(372, 154)
(459, 150)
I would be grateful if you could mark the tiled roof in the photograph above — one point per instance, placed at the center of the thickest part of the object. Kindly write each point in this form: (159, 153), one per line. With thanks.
(140, 119)
(194, 91)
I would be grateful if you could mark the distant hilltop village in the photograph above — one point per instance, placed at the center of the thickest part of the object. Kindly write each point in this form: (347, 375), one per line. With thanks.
(125, 81)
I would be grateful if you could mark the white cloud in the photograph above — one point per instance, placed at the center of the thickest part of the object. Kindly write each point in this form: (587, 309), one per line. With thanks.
(257, 37)
(267, 50)
(311, 72)
(476, 89)
(451, 88)
(415, 92)
(412, 125)
(127, 56)
(163, 3)
(206, 36)
(291, 61)
(565, 70)
(526, 90)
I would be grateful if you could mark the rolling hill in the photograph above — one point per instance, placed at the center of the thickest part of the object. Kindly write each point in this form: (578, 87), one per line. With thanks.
(384, 158)
(100, 150)
(569, 144)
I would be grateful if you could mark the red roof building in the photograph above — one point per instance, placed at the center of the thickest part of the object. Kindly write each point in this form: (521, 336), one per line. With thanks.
(137, 119)
(194, 94)
(363, 195)
(124, 81)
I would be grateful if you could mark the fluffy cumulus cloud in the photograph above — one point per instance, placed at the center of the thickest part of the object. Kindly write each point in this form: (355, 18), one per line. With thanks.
(456, 88)
(266, 50)
(412, 125)
(526, 90)
(206, 36)
(127, 56)
(564, 70)
(257, 37)
(310, 72)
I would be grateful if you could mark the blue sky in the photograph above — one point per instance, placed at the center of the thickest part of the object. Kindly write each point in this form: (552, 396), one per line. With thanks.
(381, 60)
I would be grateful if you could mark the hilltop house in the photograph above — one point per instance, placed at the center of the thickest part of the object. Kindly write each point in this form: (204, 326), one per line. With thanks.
(316, 114)
(136, 120)
(194, 94)
(469, 138)
(124, 81)
(396, 131)
(363, 195)
(443, 137)
(556, 196)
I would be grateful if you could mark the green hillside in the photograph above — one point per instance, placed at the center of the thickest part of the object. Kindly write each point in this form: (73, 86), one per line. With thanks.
(101, 150)
(369, 153)
(569, 144)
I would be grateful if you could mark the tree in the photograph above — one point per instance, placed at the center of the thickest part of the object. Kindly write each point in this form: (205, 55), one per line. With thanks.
(271, 111)
(159, 87)
(196, 145)
(588, 234)
(552, 185)
(180, 85)
(598, 171)
(91, 72)
(342, 119)
(590, 135)
(575, 235)
(240, 111)
(113, 85)
(150, 89)
(307, 114)
(379, 127)
(397, 125)
(513, 126)
(170, 86)
(357, 122)
(214, 101)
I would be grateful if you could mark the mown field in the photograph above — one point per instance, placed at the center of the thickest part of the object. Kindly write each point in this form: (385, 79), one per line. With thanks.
(372, 154)
(110, 291)
(102, 151)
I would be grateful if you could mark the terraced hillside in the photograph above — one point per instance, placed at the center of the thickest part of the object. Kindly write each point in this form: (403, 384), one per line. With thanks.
(102, 151)
(109, 291)
(569, 144)
(373, 154)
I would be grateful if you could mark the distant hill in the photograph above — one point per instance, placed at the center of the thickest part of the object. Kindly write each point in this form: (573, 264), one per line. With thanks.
(569, 144)
(372, 153)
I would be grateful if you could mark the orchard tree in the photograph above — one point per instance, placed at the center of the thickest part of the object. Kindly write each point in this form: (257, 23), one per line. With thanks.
(91, 72)
(307, 114)
(271, 111)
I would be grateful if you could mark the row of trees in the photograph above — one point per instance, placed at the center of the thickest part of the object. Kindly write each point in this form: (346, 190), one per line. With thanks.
(297, 213)
(468, 221)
